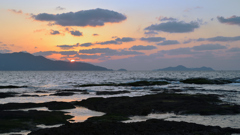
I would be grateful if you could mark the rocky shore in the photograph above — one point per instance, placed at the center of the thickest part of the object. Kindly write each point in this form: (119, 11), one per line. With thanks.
(118, 109)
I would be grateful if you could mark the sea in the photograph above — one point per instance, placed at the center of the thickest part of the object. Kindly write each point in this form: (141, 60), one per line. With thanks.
(45, 83)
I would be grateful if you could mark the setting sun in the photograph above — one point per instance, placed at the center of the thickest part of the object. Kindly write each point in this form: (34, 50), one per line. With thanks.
(72, 60)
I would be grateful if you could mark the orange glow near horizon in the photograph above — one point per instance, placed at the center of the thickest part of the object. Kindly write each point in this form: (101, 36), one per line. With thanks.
(72, 61)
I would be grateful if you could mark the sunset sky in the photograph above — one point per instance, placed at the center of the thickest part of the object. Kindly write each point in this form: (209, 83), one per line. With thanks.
(130, 34)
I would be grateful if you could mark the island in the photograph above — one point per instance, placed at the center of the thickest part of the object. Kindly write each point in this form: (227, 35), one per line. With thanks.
(183, 68)
(21, 61)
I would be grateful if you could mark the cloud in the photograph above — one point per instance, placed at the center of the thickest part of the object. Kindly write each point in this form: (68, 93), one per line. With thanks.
(76, 33)
(54, 32)
(39, 30)
(153, 39)
(151, 33)
(188, 41)
(98, 50)
(178, 51)
(46, 53)
(109, 42)
(5, 51)
(174, 27)
(235, 49)
(95, 34)
(220, 39)
(15, 11)
(125, 52)
(117, 41)
(86, 44)
(234, 20)
(87, 56)
(109, 52)
(60, 8)
(206, 47)
(68, 52)
(3, 44)
(141, 47)
(125, 39)
(93, 17)
(162, 18)
(169, 42)
(68, 47)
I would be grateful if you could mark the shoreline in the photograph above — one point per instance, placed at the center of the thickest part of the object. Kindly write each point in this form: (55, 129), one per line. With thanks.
(118, 109)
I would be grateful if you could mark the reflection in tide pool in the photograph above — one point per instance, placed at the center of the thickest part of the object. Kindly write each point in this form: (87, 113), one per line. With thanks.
(81, 114)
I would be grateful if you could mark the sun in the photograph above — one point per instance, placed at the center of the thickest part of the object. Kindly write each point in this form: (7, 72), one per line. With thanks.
(72, 60)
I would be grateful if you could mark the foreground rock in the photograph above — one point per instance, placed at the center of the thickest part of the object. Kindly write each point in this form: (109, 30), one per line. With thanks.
(205, 81)
(27, 120)
(7, 94)
(150, 127)
(50, 105)
(163, 102)
(63, 94)
(111, 92)
(12, 87)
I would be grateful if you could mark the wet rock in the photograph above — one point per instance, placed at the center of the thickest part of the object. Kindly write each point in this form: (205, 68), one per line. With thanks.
(50, 105)
(111, 92)
(7, 94)
(144, 83)
(27, 120)
(26, 95)
(162, 102)
(58, 105)
(150, 127)
(12, 87)
(205, 81)
(72, 90)
(62, 94)
(40, 91)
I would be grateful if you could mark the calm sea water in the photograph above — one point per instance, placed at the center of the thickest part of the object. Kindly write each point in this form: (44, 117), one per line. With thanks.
(50, 81)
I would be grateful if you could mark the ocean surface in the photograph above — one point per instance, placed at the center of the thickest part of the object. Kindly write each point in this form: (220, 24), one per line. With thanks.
(48, 82)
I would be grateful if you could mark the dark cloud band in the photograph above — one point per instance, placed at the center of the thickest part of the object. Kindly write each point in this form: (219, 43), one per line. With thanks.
(153, 39)
(93, 17)
(220, 39)
(174, 27)
(234, 20)
(169, 42)
(141, 47)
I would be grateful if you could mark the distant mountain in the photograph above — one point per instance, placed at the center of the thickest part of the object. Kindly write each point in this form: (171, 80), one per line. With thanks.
(182, 68)
(24, 61)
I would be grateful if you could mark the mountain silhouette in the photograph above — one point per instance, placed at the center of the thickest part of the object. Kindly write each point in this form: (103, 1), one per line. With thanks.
(22, 61)
(182, 68)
